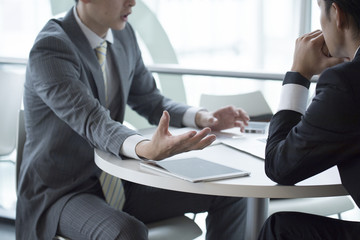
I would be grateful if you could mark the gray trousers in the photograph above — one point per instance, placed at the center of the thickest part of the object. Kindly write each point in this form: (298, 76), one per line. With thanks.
(88, 216)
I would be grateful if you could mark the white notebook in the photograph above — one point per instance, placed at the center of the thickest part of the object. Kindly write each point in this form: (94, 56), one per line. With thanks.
(193, 169)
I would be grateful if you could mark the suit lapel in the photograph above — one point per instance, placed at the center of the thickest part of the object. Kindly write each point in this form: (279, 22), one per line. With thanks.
(87, 53)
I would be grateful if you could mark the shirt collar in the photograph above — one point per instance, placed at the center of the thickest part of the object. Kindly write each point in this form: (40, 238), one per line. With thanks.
(357, 50)
(92, 37)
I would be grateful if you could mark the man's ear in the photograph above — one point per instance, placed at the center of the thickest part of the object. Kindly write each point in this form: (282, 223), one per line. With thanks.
(341, 19)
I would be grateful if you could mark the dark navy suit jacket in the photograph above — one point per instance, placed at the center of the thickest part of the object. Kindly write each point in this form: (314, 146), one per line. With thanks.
(328, 134)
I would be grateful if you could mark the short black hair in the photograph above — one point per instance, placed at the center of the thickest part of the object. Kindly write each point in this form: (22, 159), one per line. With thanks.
(350, 7)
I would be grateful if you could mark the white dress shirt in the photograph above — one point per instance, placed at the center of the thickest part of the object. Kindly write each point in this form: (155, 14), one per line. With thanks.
(295, 97)
(128, 147)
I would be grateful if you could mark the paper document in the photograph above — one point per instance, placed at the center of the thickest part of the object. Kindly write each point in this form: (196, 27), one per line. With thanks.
(252, 145)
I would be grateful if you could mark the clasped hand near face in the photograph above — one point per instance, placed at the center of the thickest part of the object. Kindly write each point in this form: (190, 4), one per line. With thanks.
(163, 144)
(312, 56)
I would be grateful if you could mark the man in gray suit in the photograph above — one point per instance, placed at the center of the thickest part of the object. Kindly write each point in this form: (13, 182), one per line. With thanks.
(73, 104)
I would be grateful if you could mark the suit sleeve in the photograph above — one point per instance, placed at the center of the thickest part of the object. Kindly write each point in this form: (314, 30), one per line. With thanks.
(146, 99)
(56, 75)
(301, 145)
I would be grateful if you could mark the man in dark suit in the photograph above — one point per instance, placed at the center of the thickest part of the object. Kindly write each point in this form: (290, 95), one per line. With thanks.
(304, 142)
(74, 101)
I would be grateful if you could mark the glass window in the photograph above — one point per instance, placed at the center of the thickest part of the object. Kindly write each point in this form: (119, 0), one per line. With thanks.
(315, 16)
(236, 35)
(246, 35)
(20, 21)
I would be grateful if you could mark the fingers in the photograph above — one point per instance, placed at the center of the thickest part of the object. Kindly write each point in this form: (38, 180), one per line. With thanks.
(164, 122)
(240, 114)
(205, 142)
(241, 119)
(199, 140)
(309, 57)
(311, 35)
(237, 113)
(241, 125)
(243, 116)
(164, 144)
(227, 117)
(315, 33)
(318, 38)
(315, 37)
(201, 134)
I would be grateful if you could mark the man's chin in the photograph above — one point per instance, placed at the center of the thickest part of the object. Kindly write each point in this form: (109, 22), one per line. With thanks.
(119, 27)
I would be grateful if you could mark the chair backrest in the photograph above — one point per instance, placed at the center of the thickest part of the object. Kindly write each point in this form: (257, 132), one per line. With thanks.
(21, 137)
(11, 89)
(253, 103)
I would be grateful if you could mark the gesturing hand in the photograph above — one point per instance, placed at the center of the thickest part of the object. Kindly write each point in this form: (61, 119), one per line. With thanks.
(223, 118)
(163, 144)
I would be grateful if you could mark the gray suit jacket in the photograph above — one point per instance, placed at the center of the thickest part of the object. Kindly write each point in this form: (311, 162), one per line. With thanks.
(65, 119)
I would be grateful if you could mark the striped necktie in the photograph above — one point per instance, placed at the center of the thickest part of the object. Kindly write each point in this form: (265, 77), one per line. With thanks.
(101, 55)
(113, 190)
(112, 186)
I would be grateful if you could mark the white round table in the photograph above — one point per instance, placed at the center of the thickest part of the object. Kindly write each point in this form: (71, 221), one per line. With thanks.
(257, 187)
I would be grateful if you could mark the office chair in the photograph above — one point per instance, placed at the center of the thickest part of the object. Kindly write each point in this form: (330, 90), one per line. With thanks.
(177, 228)
(255, 105)
(11, 85)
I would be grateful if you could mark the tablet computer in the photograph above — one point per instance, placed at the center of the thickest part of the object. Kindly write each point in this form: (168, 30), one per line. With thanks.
(193, 169)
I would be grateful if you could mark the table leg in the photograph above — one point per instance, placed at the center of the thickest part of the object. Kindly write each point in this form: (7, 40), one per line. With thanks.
(256, 216)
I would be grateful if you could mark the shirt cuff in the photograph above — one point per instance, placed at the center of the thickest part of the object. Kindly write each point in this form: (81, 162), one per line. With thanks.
(294, 93)
(189, 117)
(129, 145)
